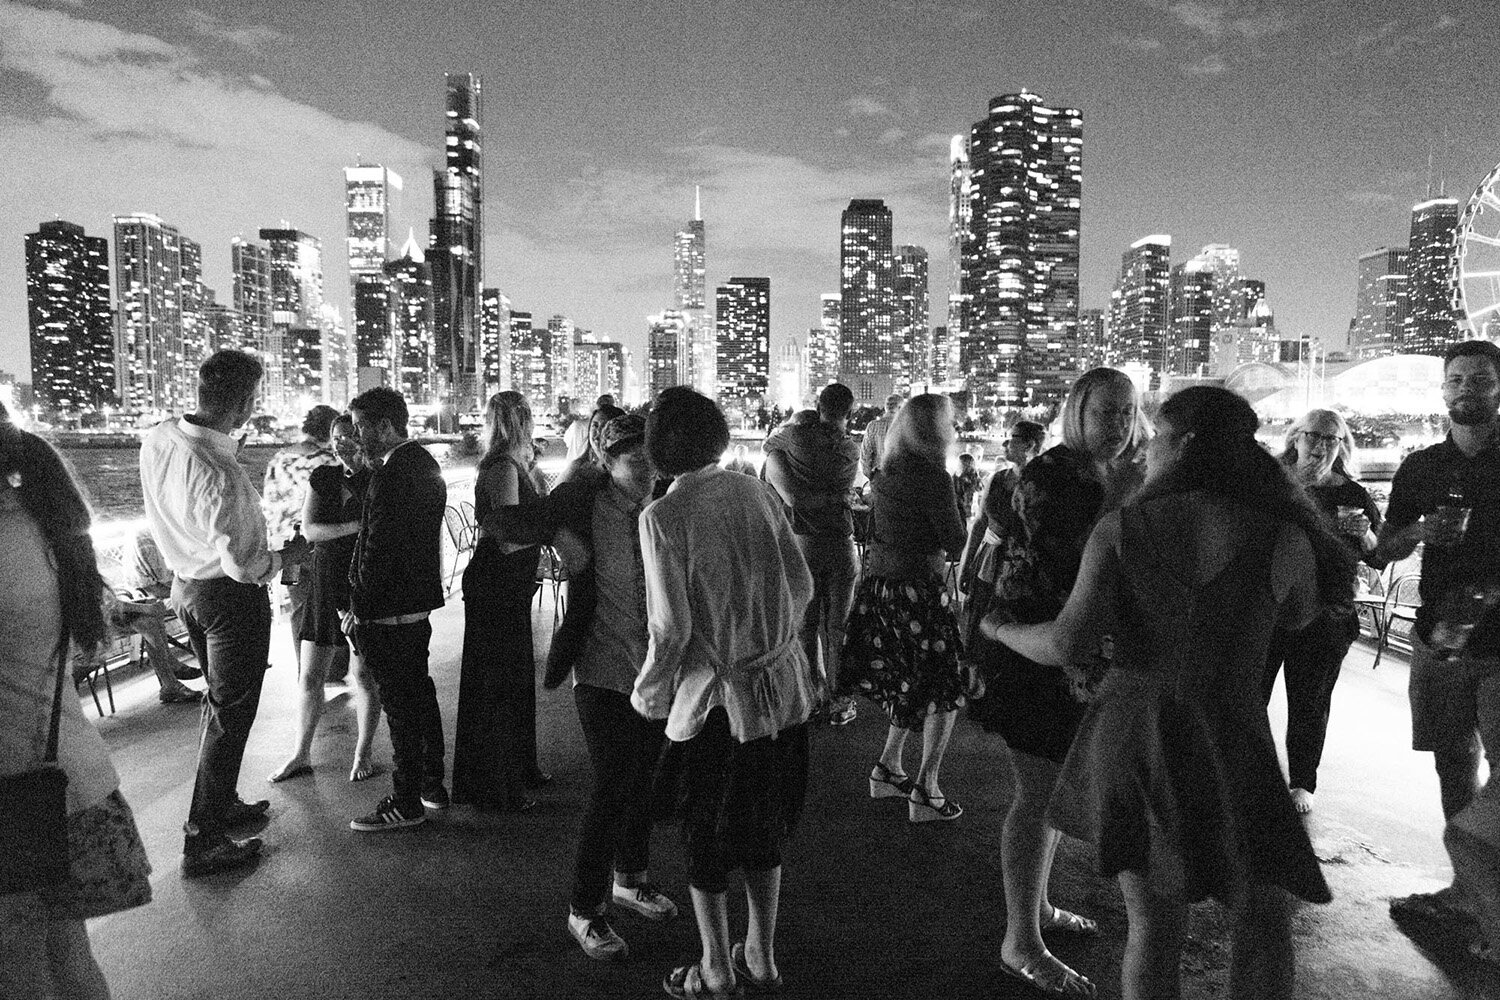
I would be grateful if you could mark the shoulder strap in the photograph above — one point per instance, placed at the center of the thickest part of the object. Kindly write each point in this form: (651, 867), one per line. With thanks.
(62, 666)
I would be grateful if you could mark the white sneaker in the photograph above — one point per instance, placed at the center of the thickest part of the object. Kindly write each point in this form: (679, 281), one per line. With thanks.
(645, 900)
(596, 938)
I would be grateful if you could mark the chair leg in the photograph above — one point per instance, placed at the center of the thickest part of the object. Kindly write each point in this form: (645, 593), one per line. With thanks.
(94, 693)
(109, 687)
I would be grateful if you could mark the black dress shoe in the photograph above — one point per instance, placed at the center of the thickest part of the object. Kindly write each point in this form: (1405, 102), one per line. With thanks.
(241, 812)
(183, 672)
(218, 853)
(536, 779)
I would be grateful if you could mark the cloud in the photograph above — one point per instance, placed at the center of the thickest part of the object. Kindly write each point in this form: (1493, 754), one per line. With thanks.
(1134, 43)
(1230, 19)
(254, 38)
(865, 106)
(1396, 37)
(891, 136)
(935, 141)
(1212, 64)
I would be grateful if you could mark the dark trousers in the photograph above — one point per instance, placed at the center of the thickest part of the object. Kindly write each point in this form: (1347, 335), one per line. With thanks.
(229, 625)
(1313, 658)
(616, 831)
(494, 742)
(396, 656)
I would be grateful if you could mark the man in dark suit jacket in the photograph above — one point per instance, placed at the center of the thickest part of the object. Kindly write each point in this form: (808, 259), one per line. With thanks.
(396, 581)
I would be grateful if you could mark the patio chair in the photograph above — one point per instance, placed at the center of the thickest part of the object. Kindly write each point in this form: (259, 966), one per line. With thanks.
(461, 537)
(1402, 599)
(550, 572)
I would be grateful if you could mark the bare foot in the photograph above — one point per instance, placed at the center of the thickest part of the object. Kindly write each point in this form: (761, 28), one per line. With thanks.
(1302, 800)
(294, 768)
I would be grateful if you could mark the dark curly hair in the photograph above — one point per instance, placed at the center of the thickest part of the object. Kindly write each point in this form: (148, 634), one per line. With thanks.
(685, 431)
(1224, 458)
(48, 492)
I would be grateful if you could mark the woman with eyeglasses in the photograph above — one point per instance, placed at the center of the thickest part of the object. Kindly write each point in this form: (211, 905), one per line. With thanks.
(1319, 455)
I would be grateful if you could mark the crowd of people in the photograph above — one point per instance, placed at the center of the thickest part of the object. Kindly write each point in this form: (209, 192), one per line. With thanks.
(1122, 606)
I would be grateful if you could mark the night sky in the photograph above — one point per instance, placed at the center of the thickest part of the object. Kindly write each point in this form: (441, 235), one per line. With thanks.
(1298, 132)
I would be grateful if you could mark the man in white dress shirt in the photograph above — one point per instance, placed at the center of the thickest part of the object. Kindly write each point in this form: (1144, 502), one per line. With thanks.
(205, 515)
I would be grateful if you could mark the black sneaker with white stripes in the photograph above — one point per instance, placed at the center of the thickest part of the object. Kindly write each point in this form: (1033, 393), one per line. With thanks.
(389, 816)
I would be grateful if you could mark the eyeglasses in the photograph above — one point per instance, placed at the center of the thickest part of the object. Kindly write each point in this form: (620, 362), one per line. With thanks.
(1313, 437)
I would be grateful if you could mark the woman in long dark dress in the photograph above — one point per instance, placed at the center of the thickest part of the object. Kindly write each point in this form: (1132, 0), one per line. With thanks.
(1319, 453)
(1036, 707)
(494, 744)
(1173, 776)
(330, 520)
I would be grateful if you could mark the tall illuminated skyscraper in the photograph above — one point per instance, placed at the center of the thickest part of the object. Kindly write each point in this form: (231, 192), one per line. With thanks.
(296, 267)
(1194, 316)
(530, 372)
(250, 263)
(912, 329)
(690, 297)
(494, 339)
(742, 314)
(1432, 321)
(72, 325)
(414, 362)
(150, 365)
(871, 356)
(960, 232)
(1021, 252)
(456, 248)
(822, 359)
(1140, 318)
(370, 197)
(666, 350)
(1380, 304)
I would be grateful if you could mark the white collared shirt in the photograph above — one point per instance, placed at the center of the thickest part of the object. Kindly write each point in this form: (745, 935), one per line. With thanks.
(203, 510)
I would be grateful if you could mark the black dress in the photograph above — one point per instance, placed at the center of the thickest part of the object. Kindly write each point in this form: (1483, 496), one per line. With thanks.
(494, 742)
(1173, 774)
(337, 498)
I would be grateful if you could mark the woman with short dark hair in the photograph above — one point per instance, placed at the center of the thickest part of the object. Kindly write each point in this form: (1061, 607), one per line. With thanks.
(1173, 775)
(726, 589)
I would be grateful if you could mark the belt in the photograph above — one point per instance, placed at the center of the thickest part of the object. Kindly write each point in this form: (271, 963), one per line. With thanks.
(415, 616)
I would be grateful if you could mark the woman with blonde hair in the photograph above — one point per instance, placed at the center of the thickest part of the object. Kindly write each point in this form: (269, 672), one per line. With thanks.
(1036, 708)
(494, 743)
(1319, 454)
(902, 644)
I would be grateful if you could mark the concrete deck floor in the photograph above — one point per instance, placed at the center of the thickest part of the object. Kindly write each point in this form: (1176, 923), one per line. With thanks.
(872, 906)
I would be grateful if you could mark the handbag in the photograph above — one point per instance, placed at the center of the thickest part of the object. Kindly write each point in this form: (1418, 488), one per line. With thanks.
(34, 817)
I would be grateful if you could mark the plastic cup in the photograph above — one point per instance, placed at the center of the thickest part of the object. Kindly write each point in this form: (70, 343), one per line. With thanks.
(1446, 526)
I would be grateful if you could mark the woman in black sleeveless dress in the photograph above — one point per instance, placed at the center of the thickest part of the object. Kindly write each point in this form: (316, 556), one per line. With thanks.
(1173, 775)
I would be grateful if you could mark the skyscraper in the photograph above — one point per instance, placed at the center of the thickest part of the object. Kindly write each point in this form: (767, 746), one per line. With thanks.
(1194, 316)
(666, 350)
(1020, 256)
(375, 330)
(494, 339)
(561, 332)
(912, 330)
(1140, 307)
(1432, 321)
(1379, 304)
(296, 271)
(193, 299)
(370, 195)
(960, 232)
(413, 363)
(251, 264)
(456, 253)
(690, 297)
(150, 366)
(871, 357)
(530, 371)
(792, 390)
(822, 360)
(72, 325)
(226, 327)
(742, 311)
(1093, 337)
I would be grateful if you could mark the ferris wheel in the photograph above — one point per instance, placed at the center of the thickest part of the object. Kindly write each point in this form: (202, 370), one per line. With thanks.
(1476, 265)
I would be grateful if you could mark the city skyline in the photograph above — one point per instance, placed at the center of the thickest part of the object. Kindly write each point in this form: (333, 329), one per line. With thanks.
(1299, 135)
